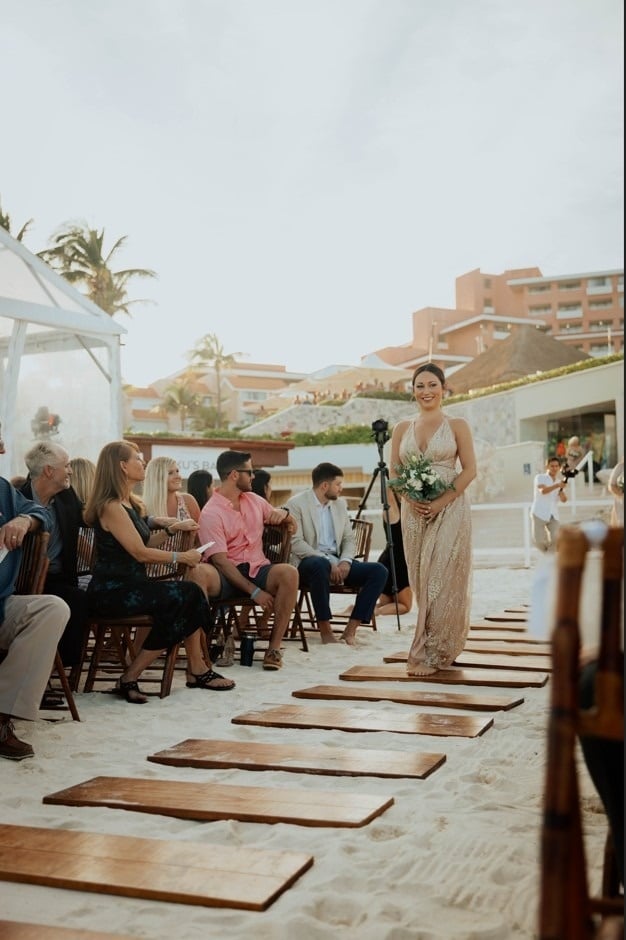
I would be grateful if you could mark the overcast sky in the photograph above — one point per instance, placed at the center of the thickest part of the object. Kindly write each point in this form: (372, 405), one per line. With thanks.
(303, 174)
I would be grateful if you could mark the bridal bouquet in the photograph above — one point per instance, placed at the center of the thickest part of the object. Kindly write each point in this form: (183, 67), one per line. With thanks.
(417, 480)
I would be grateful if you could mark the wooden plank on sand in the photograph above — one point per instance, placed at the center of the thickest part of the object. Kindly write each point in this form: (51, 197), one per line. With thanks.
(488, 661)
(507, 635)
(507, 616)
(479, 703)
(341, 718)
(157, 869)
(453, 676)
(14, 930)
(513, 647)
(508, 625)
(210, 801)
(504, 661)
(316, 759)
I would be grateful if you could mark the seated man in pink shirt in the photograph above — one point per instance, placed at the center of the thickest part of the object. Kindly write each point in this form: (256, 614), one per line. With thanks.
(233, 519)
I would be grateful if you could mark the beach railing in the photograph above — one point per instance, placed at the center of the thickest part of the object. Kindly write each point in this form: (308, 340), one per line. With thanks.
(501, 532)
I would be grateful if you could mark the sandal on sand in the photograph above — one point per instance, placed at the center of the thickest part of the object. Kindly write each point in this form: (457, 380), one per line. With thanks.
(130, 691)
(206, 680)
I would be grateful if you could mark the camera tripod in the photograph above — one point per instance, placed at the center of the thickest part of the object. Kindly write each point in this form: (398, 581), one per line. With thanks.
(381, 470)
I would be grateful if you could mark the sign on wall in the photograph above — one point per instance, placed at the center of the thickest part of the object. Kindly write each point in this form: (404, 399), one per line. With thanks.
(189, 459)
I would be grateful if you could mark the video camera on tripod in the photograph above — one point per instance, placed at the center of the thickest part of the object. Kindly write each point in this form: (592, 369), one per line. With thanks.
(380, 431)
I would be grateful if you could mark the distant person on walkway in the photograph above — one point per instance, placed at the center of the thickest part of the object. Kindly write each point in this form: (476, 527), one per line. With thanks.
(574, 453)
(323, 550)
(548, 492)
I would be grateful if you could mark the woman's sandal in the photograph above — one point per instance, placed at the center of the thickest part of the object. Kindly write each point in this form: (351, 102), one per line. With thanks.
(130, 691)
(204, 682)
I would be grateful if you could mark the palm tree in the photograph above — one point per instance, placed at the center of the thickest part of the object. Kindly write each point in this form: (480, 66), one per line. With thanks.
(180, 399)
(5, 223)
(77, 253)
(209, 352)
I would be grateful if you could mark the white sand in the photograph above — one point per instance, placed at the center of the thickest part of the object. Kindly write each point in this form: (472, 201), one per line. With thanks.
(456, 857)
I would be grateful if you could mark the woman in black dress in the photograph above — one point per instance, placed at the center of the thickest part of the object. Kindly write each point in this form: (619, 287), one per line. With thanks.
(120, 585)
(386, 603)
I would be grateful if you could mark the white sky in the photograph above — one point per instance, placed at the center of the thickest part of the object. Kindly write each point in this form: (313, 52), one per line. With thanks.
(303, 174)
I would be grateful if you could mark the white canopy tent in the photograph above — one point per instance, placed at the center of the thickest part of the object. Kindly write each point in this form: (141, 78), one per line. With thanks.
(59, 355)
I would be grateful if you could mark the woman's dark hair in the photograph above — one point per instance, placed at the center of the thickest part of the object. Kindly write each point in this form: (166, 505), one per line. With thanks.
(429, 367)
(259, 482)
(198, 484)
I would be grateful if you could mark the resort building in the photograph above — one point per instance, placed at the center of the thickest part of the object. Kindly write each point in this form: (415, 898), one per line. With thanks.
(585, 311)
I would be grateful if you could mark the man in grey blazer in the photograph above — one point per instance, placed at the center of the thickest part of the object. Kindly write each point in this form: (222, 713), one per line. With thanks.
(323, 551)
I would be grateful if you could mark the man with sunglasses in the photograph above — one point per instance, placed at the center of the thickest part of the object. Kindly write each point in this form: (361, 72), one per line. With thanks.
(233, 520)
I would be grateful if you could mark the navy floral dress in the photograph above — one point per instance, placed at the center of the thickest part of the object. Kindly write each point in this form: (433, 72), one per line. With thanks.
(120, 587)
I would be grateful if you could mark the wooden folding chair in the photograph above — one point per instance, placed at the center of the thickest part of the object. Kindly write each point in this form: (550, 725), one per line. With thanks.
(304, 615)
(567, 911)
(31, 579)
(232, 613)
(121, 632)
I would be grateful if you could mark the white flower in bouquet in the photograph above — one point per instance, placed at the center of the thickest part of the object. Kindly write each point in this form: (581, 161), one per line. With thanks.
(417, 479)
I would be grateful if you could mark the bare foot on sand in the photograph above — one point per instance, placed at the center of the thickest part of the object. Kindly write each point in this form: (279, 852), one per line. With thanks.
(348, 637)
(328, 637)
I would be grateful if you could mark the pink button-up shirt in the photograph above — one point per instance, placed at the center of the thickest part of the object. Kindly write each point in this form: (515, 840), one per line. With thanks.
(237, 533)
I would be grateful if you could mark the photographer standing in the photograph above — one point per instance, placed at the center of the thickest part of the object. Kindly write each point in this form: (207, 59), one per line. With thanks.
(544, 512)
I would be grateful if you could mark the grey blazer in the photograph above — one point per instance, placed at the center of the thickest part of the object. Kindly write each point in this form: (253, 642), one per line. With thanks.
(305, 542)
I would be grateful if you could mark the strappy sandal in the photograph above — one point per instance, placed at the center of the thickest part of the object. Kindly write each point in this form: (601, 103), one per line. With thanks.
(204, 682)
(130, 691)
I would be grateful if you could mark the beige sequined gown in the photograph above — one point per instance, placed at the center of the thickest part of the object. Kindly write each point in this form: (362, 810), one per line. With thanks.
(439, 559)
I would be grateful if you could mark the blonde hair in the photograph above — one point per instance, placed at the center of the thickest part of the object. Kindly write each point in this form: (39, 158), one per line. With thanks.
(109, 482)
(83, 473)
(155, 485)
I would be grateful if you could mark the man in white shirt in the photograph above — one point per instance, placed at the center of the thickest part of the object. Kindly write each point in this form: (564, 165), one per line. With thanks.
(544, 512)
(323, 551)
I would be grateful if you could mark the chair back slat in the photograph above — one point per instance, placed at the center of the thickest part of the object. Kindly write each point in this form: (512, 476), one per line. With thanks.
(85, 550)
(180, 541)
(565, 904)
(362, 538)
(276, 543)
(31, 575)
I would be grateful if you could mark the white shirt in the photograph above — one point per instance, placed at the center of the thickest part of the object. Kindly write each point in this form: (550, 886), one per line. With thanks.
(327, 540)
(545, 505)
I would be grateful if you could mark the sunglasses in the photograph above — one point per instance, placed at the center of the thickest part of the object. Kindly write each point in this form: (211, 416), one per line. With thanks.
(245, 470)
